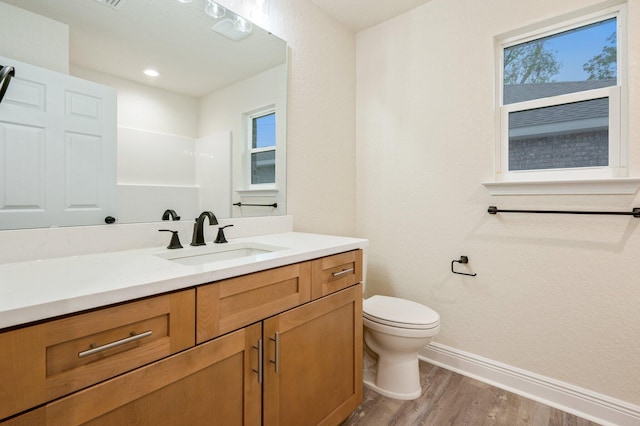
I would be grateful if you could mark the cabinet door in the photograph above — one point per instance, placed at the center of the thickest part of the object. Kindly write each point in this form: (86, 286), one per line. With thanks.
(211, 384)
(313, 361)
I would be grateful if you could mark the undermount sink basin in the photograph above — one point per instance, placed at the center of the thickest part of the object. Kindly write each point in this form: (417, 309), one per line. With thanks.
(216, 253)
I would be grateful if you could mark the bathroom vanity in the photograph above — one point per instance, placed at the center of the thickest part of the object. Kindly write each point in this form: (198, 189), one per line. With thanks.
(273, 338)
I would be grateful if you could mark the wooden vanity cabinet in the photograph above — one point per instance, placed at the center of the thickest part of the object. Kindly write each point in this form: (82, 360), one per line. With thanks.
(250, 350)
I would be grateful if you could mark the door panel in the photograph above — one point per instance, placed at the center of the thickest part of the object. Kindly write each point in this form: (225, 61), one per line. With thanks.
(57, 150)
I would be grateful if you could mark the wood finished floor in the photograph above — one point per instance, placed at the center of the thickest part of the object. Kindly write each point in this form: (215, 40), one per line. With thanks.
(449, 398)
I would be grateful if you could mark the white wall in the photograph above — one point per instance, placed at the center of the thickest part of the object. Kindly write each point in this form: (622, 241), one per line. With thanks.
(555, 295)
(46, 47)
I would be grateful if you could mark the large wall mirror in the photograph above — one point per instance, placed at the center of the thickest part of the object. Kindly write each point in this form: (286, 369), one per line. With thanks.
(86, 134)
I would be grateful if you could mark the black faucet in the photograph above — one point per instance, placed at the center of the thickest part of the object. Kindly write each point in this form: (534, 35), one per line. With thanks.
(198, 228)
(170, 213)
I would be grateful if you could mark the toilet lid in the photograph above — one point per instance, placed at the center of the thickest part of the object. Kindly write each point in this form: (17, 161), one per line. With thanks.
(399, 312)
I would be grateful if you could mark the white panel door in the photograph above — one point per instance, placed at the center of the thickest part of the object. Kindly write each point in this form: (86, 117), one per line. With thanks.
(57, 150)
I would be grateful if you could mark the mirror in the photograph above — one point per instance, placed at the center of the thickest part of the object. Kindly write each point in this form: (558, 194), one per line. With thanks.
(181, 136)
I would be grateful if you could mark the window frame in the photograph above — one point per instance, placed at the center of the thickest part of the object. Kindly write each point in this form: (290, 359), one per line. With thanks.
(249, 150)
(618, 156)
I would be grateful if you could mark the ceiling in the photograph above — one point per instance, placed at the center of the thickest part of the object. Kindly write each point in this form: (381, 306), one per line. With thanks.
(172, 37)
(362, 14)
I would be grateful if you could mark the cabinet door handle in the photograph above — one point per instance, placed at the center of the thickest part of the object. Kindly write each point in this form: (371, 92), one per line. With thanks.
(132, 338)
(259, 370)
(276, 361)
(346, 271)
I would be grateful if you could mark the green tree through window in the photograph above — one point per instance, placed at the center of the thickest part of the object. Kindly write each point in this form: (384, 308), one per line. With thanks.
(603, 65)
(530, 63)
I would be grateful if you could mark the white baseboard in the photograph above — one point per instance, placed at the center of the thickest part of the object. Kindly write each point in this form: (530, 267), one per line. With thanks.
(566, 397)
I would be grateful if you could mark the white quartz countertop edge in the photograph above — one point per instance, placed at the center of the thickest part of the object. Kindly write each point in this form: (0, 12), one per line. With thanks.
(40, 289)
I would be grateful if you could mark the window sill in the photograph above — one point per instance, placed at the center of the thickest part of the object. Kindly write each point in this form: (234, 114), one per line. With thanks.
(627, 186)
(263, 192)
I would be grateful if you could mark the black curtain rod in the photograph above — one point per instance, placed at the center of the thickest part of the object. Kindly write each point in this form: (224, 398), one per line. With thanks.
(274, 205)
(635, 212)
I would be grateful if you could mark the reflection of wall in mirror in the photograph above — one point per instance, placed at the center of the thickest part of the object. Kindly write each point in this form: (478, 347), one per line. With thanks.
(48, 47)
(185, 121)
(225, 108)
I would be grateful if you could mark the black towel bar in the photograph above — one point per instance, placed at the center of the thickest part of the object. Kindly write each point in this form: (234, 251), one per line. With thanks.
(635, 212)
(274, 205)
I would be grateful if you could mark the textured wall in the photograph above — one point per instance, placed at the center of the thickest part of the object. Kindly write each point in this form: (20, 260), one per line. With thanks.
(556, 295)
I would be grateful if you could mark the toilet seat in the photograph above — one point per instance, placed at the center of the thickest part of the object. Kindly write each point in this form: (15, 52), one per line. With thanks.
(400, 313)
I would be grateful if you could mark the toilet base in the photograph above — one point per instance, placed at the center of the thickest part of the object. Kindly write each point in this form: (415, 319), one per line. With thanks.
(399, 381)
(370, 382)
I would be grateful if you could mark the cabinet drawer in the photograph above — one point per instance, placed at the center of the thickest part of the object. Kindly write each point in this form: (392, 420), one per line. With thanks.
(333, 273)
(211, 384)
(230, 304)
(45, 361)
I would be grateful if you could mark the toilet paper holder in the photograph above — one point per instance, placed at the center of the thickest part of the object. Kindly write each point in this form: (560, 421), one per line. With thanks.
(463, 260)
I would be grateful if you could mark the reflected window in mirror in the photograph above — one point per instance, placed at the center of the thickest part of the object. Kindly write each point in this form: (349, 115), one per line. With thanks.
(262, 146)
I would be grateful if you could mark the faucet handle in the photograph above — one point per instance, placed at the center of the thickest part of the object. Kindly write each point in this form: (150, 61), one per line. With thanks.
(221, 238)
(175, 240)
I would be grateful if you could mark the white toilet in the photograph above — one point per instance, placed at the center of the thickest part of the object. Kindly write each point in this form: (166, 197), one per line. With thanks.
(394, 330)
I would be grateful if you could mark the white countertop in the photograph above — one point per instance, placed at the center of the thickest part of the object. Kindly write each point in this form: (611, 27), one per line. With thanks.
(40, 289)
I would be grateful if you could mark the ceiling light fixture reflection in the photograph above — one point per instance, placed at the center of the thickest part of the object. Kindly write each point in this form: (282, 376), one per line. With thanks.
(185, 1)
(214, 10)
(242, 25)
(151, 73)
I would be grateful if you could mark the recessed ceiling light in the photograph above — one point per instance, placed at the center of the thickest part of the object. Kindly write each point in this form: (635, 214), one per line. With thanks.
(151, 73)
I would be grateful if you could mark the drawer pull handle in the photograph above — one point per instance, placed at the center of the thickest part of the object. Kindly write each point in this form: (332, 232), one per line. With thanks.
(346, 271)
(95, 349)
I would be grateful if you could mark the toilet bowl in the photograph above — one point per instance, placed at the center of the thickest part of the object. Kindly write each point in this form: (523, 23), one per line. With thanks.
(394, 330)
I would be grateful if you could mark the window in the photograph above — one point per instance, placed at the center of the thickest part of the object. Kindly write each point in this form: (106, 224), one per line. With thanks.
(262, 147)
(561, 101)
